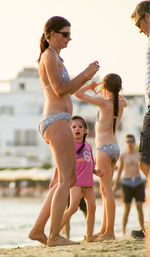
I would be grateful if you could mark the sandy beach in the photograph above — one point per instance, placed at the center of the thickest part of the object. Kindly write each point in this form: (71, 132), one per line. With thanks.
(121, 247)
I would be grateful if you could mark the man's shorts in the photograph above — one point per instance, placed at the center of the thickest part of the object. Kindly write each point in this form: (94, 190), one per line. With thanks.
(138, 193)
(144, 149)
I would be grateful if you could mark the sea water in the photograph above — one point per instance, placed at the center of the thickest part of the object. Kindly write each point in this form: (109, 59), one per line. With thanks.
(17, 216)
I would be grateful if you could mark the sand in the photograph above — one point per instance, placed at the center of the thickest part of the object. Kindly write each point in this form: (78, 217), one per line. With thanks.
(121, 247)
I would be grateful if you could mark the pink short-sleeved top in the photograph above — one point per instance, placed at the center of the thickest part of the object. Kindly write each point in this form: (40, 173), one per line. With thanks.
(84, 165)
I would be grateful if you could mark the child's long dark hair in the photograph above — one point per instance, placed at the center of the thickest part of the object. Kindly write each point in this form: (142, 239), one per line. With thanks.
(113, 83)
(85, 126)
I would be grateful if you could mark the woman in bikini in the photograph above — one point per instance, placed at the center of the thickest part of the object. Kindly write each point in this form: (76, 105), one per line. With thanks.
(110, 112)
(55, 127)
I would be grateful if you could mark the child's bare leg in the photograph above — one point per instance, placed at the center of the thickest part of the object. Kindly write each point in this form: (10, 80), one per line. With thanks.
(103, 226)
(37, 231)
(89, 196)
(66, 229)
(105, 163)
(75, 197)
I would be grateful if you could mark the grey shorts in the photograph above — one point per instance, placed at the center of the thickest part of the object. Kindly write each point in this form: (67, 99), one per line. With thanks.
(144, 149)
(51, 118)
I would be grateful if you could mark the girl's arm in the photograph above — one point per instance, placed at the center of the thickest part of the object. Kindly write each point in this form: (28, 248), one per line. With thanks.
(125, 102)
(81, 94)
(61, 88)
(99, 173)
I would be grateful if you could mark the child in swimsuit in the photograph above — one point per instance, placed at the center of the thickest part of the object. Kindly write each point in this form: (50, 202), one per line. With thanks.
(111, 107)
(85, 167)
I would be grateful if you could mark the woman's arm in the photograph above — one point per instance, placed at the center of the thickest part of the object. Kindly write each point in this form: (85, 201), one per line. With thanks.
(81, 94)
(60, 87)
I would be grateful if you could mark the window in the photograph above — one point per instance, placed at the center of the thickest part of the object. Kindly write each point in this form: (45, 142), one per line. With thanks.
(25, 138)
(91, 129)
(22, 86)
(120, 127)
(6, 110)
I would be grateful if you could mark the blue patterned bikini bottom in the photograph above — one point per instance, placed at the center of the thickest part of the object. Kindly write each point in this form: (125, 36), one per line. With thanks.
(112, 150)
(51, 118)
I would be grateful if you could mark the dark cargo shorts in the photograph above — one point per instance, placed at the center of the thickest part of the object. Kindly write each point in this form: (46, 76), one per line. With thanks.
(144, 149)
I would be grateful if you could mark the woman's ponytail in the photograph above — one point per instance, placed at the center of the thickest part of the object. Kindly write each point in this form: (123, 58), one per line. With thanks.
(43, 45)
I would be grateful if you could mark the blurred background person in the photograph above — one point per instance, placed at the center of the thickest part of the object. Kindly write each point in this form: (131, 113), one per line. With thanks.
(132, 184)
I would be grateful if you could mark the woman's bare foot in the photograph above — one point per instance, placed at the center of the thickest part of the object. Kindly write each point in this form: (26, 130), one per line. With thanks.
(38, 236)
(98, 234)
(105, 237)
(59, 240)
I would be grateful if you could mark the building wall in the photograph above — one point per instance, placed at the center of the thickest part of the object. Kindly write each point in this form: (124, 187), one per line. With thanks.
(21, 111)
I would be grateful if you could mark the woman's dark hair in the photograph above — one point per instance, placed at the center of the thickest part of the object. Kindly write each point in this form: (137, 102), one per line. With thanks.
(85, 126)
(113, 83)
(55, 23)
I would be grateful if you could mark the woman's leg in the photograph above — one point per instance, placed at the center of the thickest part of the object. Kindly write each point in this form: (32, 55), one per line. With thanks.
(37, 231)
(75, 197)
(103, 162)
(89, 196)
(60, 138)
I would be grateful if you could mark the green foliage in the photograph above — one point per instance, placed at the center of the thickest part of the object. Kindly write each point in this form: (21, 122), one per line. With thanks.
(46, 165)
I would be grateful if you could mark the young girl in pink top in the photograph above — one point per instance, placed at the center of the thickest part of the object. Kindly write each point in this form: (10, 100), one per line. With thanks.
(85, 167)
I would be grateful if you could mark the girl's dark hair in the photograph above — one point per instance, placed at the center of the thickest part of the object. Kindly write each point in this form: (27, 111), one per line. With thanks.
(113, 83)
(85, 126)
(55, 23)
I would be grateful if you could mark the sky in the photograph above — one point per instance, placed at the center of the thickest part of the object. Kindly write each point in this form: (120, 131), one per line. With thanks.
(100, 30)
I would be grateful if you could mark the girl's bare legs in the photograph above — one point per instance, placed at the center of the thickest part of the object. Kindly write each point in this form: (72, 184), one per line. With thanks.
(60, 138)
(103, 226)
(75, 197)
(89, 197)
(37, 232)
(104, 163)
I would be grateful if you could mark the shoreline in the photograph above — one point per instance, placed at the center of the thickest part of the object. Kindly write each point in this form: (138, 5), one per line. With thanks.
(121, 247)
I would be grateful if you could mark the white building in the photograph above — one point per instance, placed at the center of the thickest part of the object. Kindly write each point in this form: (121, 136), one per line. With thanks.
(20, 114)
(21, 109)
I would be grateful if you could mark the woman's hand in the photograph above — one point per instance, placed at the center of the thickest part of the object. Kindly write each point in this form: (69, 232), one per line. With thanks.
(90, 71)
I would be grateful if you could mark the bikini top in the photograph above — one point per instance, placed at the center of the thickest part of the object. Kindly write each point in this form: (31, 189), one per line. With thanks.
(103, 124)
(64, 74)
